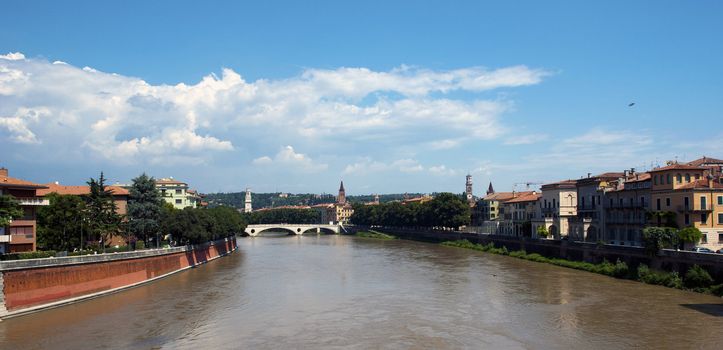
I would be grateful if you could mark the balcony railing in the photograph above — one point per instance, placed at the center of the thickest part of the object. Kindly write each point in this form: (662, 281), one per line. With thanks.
(33, 201)
(687, 208)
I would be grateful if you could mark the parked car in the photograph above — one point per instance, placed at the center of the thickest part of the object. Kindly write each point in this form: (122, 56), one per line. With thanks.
(702, 250)
(719, 251)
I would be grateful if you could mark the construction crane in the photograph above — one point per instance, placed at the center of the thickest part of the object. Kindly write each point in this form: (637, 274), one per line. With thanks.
(527, 185)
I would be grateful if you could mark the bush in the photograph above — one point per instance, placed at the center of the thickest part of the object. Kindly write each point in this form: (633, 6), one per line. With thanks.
(697, 277)
(621, 269)
(668, 279)
(29, 255)
(717, 290)
(140, 245)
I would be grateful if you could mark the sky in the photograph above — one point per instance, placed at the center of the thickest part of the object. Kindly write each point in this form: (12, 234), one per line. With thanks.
(388, 96)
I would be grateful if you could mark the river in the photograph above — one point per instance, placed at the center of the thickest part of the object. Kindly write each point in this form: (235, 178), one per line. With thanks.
(344, 292)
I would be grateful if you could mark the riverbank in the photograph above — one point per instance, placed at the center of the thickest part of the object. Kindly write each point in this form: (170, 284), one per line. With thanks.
(37, 284)
(374, 235)
(696, 279)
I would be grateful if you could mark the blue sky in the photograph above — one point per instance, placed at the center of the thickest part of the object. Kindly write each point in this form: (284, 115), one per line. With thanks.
(389, 96)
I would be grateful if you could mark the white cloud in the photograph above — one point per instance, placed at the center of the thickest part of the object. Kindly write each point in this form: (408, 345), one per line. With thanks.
(262, 160)
(526, 139)
(289, 158)
(442, 170)
(13, 56)
(407, 165)
(119, 116)
(367, 165)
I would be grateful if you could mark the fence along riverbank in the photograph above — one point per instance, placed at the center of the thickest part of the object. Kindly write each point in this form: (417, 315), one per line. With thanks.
(37, 284)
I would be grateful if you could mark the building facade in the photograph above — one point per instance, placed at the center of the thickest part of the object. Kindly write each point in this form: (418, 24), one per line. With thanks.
(518, 213)
(336, 213)
(589, 223)
(689, 195)
(177, 193)
(21, 234)
(558, 206)
(626, 206)
(247, 202)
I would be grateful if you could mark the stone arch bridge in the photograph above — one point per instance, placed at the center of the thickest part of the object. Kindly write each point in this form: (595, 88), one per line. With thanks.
(255, 230)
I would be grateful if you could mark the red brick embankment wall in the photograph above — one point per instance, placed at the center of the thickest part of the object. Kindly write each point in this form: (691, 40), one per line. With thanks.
(34, 286)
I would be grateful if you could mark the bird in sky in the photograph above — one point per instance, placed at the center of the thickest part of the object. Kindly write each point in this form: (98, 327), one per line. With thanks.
(631, 104)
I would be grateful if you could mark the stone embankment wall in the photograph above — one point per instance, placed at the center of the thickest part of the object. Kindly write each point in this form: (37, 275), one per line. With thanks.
(36, 284)
(669, 260)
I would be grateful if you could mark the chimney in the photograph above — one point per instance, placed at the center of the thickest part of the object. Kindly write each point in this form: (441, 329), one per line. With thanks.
(625, 174)
(710, 181)
(588, 175)
(3, 172)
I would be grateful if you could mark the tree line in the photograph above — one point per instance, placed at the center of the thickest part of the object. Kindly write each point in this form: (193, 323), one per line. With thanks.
(283, 215)
(446, 210)
(90, 221)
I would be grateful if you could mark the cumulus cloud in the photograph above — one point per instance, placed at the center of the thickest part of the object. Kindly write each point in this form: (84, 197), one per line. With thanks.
(442, 170)
(525, 139)
(115, 115)
(288, 157)
(367, 165)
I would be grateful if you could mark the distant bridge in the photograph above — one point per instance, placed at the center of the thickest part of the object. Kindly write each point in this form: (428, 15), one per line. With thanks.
(255, 230)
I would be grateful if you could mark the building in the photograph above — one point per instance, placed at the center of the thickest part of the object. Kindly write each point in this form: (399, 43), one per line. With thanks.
(120, 200)
(490, 204)
(518, 214)
(468, 190)
(21, 234)
(120, 194)
(247, 201)
(588, 225)
(177, 193)
(558, 206)
(626, 206)
(337, 213)
(689, 195)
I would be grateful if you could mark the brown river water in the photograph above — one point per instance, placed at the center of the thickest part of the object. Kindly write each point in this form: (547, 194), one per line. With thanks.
(315, 292)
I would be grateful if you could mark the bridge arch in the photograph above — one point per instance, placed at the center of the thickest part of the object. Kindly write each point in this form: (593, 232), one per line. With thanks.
(296, 229)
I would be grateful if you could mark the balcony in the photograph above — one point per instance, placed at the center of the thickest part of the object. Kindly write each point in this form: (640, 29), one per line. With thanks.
(688, 209)
(33, 201)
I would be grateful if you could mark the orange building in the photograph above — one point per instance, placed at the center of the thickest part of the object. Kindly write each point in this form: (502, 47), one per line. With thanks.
(22, 232)
(695, 197)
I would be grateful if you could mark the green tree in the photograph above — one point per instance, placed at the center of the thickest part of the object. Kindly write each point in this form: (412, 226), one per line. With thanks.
(657, 238)
(144, 208)
(228, 221)
(103, 221)
(542, 232)
(9, 210)
(60, 224)
(449, 210)
(690, 234)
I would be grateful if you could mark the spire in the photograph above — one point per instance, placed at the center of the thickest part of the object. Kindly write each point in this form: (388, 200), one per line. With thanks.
(490, 190)
(342, 194)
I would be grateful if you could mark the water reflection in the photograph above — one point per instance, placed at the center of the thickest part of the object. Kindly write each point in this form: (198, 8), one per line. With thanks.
(324, 291)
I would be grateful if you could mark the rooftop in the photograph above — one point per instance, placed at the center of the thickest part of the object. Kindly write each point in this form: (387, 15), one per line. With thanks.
(705, 160)
(525, 197)
(7, 181)
(677, 166)
(78, 190)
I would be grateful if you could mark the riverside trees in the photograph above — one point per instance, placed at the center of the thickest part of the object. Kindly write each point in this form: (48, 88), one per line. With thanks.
(445, 210)
(144, 208)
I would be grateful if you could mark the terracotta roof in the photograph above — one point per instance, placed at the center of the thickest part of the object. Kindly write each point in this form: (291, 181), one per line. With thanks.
(7, 181)
(702, 183)
(563, 183)
(677, 166)
(78, 190)
(639, 177)
(169, 181)
(285, 207)
(526, 197)
(610, 175)
(505, 196)
(705, 160)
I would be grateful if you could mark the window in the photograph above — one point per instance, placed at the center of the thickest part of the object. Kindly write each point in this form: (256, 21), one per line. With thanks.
(657, 202)
(679, 178)
(642, 202)
(697, 177)
(631, 202)
(720, 218)
(686, 202)
(667, 202)
(704, 238)
(720, 237)
(611, 202)
(720, 200)
(179, 191)
(703, 203)
(687, 177)
(704, 219)
(687, 219)
(668, 177)
(179, 201)
(655, 179)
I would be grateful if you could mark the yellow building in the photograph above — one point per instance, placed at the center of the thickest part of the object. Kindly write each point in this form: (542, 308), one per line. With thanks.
(337, 213)
(694, 197)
